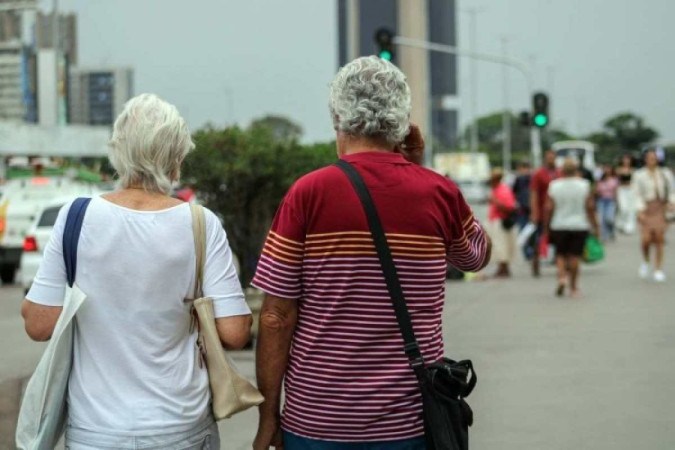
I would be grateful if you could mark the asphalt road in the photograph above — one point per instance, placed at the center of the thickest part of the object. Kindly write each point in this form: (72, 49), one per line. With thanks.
(554, 374)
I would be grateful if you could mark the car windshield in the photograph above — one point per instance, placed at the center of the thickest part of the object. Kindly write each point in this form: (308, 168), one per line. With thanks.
(48, 217)
(576, 153)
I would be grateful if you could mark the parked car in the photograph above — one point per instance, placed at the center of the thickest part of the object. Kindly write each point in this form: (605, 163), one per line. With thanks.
(36, 240)
(21, 201)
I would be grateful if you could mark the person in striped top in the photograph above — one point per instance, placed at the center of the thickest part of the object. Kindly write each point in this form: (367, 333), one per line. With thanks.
(328, 332)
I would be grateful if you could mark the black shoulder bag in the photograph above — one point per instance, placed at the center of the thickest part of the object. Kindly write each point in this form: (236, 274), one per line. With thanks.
(444, 383)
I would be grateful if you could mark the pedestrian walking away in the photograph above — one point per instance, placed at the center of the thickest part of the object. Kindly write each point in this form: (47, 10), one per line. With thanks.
(606, 191)
(570, 215)
(328, 331)
(136, 379)
(626, 219)
(502, 213)
(538, 195)
(655, 195)
(521, 190)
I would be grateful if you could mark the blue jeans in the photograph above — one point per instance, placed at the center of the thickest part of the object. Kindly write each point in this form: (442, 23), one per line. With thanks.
(295, 442)
(204, 436)
(607, 213)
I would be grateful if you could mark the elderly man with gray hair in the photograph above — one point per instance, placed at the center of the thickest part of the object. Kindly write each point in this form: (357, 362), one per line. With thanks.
(328, 330)
(136, 380)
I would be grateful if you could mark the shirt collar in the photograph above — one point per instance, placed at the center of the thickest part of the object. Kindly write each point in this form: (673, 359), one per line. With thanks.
(374, 156)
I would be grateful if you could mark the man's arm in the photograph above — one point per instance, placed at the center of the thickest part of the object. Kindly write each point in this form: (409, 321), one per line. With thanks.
(591, 213)
(535, 214)
(548, 214)
(278, 318)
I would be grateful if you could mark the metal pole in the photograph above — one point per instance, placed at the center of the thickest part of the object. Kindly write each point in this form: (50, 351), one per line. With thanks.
(474, 81)
(55, 37)
(506, 116)
(535, 145)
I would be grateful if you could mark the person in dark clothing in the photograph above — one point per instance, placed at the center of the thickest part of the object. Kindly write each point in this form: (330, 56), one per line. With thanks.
(521, 190)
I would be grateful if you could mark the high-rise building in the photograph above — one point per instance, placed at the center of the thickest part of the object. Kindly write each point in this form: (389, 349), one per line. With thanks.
(432, 76)
(17, 62)
(33, 76)
(98, 95)
(44, 34)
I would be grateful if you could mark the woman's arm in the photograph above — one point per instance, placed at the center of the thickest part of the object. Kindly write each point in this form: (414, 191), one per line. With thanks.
(39, 320)
(234, 331)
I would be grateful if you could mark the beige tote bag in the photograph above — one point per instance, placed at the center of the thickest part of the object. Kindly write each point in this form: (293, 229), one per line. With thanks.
(230, 391)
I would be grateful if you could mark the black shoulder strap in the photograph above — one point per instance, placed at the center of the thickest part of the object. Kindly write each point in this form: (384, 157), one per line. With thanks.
(412, 348)
(71, 236)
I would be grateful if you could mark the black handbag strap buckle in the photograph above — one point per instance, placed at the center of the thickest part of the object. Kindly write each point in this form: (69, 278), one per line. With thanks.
(412, 350)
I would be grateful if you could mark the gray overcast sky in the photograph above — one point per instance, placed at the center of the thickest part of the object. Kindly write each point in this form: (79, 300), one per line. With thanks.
(222, 60)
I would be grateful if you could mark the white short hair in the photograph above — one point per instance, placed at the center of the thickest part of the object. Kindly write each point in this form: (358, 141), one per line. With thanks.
(370, 97)
(149, 143)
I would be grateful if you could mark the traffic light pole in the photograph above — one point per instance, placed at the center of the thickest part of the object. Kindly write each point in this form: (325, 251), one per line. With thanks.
(520, 66)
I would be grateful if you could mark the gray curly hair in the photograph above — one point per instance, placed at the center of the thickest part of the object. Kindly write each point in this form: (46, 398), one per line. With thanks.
(370, 97)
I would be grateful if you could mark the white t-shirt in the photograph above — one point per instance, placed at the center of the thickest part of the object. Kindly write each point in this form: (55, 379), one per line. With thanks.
(570, 196)
(135, 368)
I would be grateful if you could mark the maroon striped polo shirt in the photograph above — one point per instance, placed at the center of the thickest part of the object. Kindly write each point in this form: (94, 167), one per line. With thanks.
(348, 378)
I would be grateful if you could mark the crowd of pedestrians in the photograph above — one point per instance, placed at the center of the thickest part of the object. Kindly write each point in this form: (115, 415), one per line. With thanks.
(562, 205)
(328, 333)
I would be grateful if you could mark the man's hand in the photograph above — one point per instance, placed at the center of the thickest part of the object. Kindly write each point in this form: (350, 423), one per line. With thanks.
(641, 217)
(269, 435)
(412, 147)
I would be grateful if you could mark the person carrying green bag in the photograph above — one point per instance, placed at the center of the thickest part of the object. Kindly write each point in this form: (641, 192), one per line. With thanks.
(570, 216)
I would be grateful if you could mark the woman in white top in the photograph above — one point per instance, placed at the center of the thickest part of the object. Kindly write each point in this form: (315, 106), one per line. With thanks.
(654, 189)
(136, 381)
(570, 214)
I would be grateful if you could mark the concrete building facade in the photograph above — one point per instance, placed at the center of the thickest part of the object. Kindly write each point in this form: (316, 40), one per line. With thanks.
(98, 95)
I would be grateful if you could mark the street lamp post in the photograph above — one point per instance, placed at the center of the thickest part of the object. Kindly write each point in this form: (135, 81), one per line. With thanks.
(506, 116)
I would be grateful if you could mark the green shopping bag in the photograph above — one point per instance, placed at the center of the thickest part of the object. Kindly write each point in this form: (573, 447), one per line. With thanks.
(594, 251)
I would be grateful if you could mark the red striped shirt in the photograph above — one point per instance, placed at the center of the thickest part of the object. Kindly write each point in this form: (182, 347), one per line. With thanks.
(348, 378)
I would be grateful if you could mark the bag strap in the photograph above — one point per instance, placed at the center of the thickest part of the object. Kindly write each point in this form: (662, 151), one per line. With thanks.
(71, 236)
(199, 234)
(411, 347)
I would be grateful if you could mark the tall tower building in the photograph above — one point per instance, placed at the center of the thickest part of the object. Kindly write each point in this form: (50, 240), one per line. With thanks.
(17, 62)
(98, 95)
(432, 76)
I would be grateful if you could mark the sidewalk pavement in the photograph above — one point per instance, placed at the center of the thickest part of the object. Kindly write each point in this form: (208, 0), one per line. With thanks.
(554, 373)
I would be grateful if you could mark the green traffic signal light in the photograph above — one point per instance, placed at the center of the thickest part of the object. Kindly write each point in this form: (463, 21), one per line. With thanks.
(386, 55)
(541, 120)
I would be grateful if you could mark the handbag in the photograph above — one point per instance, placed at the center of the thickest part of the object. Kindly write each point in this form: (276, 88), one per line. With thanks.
(43, 412)
(230, 391)
(443, 384)
(510, 220)
(593, 250)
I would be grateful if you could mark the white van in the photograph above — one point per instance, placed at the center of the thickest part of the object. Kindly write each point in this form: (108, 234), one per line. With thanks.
(582, 151)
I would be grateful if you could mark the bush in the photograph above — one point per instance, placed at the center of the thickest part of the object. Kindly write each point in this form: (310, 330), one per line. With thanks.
(243, 174)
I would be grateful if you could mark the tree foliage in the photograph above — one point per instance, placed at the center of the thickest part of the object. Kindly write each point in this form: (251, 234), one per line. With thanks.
(243, 174)
(622, 132)
(491, 137)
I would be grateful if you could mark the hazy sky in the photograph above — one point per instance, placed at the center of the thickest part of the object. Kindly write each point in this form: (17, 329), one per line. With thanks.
(221, 61)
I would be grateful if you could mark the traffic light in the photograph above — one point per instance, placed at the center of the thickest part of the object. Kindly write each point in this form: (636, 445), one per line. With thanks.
(525, 119)
(384, 38)
(540, 117)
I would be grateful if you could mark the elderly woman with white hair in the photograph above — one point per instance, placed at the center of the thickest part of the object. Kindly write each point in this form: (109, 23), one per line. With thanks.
(136, 381)
(327, 326)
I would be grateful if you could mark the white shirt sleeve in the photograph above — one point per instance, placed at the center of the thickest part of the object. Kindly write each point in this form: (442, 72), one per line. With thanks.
(49, 285)
(671, 185)
(221, 282)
